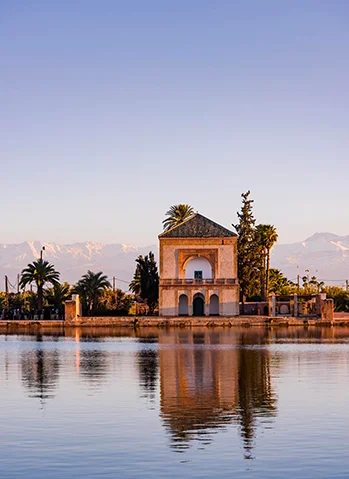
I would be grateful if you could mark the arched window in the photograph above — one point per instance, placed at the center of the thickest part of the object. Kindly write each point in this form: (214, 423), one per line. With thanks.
(183, 305)
(214, 305)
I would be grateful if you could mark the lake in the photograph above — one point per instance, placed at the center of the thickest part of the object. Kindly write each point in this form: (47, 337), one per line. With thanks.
(214, 402)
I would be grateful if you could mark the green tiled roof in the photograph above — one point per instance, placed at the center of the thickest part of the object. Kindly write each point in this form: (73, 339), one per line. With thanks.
(197, 226)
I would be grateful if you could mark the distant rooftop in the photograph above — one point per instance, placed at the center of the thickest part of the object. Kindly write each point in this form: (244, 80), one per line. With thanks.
(197, 226)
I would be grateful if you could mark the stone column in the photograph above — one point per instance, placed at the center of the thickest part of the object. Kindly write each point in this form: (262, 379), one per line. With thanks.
(327, 309)
(207, 303)
(273, 305)
(72, 308)
(190, 303)
(295, 305)
(270, 306)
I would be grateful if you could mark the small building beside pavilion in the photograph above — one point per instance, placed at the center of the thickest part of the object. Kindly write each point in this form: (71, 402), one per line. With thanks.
(198, 270)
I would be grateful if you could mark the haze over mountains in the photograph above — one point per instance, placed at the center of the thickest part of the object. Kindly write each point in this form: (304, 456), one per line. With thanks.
(326, 255)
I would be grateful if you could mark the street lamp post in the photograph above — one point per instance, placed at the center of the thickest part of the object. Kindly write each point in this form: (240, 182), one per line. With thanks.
(42, 249)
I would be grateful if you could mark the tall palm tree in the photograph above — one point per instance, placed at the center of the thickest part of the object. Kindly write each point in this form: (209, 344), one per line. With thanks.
(267, 238)
(90, 287)
(176, 215)
(39, 272)
(56, 295)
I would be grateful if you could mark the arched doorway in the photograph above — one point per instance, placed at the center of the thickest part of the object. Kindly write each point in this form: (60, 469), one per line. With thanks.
(214, 305)
(183, 305)
(198, 305)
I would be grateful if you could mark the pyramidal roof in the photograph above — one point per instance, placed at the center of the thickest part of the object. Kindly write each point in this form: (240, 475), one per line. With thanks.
(197, 226)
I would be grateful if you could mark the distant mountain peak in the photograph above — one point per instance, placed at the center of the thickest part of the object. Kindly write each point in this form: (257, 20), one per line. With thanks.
(326, 255)
(321, 236)
(129, 248)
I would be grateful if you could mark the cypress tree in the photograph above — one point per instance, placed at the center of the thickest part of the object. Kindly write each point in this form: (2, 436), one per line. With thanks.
(249, 254)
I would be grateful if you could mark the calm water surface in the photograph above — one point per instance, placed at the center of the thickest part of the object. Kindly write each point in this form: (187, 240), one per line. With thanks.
(175, 403)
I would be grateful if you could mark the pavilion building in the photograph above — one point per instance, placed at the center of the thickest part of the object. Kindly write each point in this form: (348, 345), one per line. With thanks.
(198, 270)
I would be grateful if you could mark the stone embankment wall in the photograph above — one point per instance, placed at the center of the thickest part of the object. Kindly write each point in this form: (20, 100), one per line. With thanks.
(184, 322)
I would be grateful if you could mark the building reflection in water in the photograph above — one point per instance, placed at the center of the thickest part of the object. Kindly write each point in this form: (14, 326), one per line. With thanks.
(40, 370)
(210, 379)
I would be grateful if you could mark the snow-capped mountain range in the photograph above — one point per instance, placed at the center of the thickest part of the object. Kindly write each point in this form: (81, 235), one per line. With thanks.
(325, 255)
(72, 261)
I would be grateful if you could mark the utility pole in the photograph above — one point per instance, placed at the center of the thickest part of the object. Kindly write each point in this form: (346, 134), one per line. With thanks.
(298, 279)
(18, 283)
(6, 284)
(114, 283)
(347, 285)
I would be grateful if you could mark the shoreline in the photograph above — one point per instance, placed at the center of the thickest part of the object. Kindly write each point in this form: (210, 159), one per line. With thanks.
(177, 322)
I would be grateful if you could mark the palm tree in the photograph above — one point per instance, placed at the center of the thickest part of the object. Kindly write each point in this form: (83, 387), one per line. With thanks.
(136, 283)
(267, 238)
(39, 272)
(176, 215)
(90, 287)
(58, 294)
(279, 284)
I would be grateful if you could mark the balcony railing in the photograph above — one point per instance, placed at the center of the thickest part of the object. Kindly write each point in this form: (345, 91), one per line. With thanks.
(198, 281)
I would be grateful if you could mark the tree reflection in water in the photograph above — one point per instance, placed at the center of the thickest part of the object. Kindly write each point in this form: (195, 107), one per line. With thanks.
(211, 379)
(40, 370)
(93, 362)
(148, 365)
(257, 402)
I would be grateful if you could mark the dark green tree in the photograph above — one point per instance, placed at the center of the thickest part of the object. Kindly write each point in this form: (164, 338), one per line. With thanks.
(176, 215)
(250, 256)
(145, 283)
(39, 272)
(57, 295)
(90, 288)
(340, 298)
(116, 303)
(3, 300)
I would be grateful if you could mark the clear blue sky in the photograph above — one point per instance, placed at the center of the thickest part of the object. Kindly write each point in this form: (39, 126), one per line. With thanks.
(111, 111)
